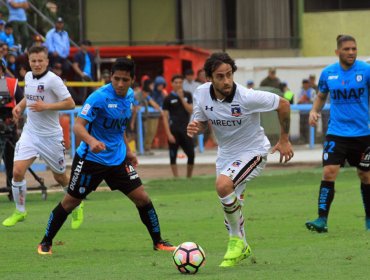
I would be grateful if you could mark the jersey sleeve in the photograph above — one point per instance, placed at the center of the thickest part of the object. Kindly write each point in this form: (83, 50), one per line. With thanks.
(368, 74)
(198, 114)
(323, 86)
(91, 107)
(260, 101)
(59, 88)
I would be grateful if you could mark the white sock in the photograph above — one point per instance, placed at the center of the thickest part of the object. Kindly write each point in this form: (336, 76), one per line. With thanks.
(234, 219)
(19, 195)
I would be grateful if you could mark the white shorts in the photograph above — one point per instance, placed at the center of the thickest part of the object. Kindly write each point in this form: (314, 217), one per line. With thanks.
(241, 169)
(51, 149)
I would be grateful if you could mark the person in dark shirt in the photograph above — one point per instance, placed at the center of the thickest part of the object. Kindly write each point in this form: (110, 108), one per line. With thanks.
(177, 109)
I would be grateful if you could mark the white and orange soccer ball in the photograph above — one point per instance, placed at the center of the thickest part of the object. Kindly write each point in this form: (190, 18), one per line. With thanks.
(189, 257)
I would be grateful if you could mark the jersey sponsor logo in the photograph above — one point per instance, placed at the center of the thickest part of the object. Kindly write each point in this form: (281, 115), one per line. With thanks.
(334, 77)
(210, 108)
(359, 77)
(173, 101)
(109, 123)
(353, 94)
(40, 88)
(76, 174)
(112, 106)
(85, 109)
(35, 97)
(133, 177)
(226, 122)
(235, 110)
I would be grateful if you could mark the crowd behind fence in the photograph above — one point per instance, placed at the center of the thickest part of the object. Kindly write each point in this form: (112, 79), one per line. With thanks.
(140, 131)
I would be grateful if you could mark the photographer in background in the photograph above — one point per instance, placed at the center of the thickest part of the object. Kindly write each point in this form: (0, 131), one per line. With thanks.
(10, 95)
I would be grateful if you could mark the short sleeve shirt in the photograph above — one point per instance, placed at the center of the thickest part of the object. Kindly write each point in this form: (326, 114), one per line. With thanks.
(349, 98)
(235, 120)
(108, 115)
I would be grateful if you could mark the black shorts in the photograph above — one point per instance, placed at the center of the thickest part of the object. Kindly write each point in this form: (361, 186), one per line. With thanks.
(87, 175)
(338, 150)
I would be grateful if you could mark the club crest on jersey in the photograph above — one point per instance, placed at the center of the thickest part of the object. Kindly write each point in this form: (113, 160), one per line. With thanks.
(40, 88)
(359, 78)
(235, 110)
(236, 163)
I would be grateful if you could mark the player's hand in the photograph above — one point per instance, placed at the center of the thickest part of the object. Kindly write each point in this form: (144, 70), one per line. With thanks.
(193, 128)
(180, 93)
(132, 158)
(313, 118)
(171, 139)
(38, 106)
(96, 146)
(17, 113)
(286, 150)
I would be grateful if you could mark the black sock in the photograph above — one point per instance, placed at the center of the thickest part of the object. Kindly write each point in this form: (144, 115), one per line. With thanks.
(150, 220)
(56, 220)
(326, 196)
(365, 191)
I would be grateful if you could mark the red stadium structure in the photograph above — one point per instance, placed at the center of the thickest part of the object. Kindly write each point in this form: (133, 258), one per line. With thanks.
(152, 60)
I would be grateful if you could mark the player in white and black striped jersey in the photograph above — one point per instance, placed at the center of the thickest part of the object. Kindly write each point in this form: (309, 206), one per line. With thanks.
(234, 113)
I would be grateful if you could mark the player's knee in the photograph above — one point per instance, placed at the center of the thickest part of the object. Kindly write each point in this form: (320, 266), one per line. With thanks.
(18, 173)
(62, 179)
(139, 196)
(330, 173)
(364, 176)
(69, 203)
(224, 186)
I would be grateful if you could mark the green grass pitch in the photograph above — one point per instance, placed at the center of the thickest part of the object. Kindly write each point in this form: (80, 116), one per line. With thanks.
(112, 243)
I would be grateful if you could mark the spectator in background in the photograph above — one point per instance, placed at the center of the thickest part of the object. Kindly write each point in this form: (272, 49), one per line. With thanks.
(150, 119)
(312, 81)
(287, 93)
(271, 80)
(11, 62)
(159, 91)
(57, 42)
(37, 40)
(21, 72)
(84, 67)
(189, 84)
(18, 19)
(84, 64)
(250, 84)
(177, 109)
(306, 96)
(201, 76)
(2, 24)
(105, 76)
(7, 37)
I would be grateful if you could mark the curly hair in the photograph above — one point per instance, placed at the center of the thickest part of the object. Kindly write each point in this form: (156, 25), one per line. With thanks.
(215, 60)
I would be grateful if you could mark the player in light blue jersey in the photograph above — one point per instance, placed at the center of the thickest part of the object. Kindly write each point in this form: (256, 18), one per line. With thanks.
(348, 135)
(105, 155)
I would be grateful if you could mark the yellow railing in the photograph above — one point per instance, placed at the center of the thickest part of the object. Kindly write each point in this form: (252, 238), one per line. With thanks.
(76, 84)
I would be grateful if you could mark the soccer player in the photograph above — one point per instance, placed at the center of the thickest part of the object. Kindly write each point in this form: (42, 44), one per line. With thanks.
(105, 155)
(348, 135)
(177, 109)
(234, 113)
(45, 94)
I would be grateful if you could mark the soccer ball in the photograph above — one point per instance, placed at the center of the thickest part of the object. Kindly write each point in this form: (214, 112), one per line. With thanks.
(189, 257)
